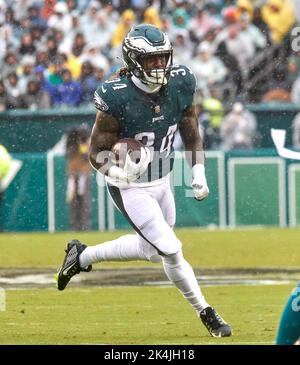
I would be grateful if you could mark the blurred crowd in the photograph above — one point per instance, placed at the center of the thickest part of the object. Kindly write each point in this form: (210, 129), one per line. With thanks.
(55, 53)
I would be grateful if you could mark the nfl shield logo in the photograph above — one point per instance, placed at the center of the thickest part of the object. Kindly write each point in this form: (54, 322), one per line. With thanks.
(157, 109)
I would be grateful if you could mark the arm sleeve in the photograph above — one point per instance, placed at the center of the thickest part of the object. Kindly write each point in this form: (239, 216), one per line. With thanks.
(188, 87)
(185, 84)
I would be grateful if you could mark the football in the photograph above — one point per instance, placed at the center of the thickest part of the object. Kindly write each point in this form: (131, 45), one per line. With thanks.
(123, 147)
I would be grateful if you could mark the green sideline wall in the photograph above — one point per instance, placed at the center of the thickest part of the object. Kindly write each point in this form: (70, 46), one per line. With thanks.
(247, 188)
(39, 131)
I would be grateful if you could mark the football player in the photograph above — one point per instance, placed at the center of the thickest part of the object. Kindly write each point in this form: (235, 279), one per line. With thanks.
(289, 326)
(148, 101)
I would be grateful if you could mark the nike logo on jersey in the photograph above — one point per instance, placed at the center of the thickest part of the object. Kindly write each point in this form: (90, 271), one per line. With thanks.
(103, 90)
(158, 119)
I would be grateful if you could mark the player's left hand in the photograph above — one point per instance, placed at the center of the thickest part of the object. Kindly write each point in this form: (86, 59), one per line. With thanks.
(137, 169)
(199, 183)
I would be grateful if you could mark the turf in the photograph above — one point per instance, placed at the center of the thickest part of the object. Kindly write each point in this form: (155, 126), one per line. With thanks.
(147, 315)
(138, 315)
(273, 247)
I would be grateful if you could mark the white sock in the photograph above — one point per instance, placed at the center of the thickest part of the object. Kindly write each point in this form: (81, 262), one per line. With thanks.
(181, 274)
(124, 248)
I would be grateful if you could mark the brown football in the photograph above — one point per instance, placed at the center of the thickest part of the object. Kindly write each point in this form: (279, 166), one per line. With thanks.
(124, 146)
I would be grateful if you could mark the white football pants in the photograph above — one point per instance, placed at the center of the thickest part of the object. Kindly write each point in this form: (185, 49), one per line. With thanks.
(151, 212)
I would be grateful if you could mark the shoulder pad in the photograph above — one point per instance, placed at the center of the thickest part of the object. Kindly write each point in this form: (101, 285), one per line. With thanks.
(109, 94)
(184, 77)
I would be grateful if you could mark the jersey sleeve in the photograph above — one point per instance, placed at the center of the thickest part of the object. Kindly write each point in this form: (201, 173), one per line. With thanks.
(106, 101)
(186, 83)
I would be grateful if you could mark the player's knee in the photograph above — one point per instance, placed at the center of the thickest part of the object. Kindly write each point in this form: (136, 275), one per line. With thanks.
(162, 237)
(173, 259)
(169, 245)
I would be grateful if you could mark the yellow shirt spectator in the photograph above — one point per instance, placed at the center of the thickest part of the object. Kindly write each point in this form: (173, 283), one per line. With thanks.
(279, 16)
(151, 16)
(245, 6)
(125, 24)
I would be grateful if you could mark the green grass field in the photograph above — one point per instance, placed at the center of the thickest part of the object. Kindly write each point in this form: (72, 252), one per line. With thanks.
(143, 314)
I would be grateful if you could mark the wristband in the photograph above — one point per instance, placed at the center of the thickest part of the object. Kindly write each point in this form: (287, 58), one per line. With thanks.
(198, 171)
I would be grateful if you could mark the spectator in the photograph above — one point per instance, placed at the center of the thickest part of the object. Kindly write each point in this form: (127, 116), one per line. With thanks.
(35, 97)
(182, 46)
(55, 70)
(207, 68)
(68, 39)
(27, 46)
(41, 58)
(230, 15)
(123, 27)
(151, 15)
(52, 48)
(279, 17)
(47, 9)
(71, 4)
(78, 44)
(99, 74)
(45, 84)
(238, 129)
(61, 19)
(23, 28)
(10, 18)
(10, 64)
(180, 19)
(245, 7)
(73, 63)
(278, 88)
(166, 25)
(37, 36)
(88, 83)
(261, 24)
(93, 54)
(12, 25)
(239, 46)
(6, 39)
(69, 91)
(35, 18)
(111, 15)
(211, 119)
(106, 28)
(252, 32)
(25, 72)
(13, 91)
(89, 20)
(201, 24)
(79, 174)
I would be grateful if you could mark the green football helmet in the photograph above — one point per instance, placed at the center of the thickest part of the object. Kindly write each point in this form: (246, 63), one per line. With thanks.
(143, 43)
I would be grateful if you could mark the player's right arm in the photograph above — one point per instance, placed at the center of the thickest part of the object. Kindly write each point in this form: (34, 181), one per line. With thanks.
(105, 134)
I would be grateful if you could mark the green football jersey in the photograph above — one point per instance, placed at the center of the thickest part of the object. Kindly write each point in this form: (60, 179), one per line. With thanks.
(150, 118)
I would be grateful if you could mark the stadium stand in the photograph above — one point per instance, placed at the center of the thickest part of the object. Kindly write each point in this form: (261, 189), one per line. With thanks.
(245, 41)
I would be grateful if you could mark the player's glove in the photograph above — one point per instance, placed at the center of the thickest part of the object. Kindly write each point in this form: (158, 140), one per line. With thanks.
(131, 170)
(199, 183)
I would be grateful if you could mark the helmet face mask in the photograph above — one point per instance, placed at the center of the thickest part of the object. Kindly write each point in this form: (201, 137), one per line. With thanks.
(147, 54)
